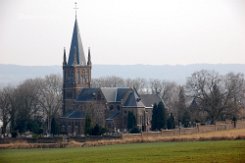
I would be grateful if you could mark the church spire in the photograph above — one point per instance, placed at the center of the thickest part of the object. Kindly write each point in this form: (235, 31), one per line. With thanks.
(76, 48)
(75, 56)
(64, 59)
(89, 63)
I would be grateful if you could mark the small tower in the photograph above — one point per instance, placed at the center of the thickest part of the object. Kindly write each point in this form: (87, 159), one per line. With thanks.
(76, 72)
(89, 65)
(64, 58)
(89, 58)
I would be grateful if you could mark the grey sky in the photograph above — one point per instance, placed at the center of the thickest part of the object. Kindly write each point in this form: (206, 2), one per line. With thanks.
(34, 32)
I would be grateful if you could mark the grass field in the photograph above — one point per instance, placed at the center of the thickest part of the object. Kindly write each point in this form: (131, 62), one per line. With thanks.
(200, 151)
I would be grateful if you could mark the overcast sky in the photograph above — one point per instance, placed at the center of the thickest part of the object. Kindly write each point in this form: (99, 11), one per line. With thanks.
(153, 32)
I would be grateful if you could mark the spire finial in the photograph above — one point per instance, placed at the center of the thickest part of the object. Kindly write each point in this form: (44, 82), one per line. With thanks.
(75, 8)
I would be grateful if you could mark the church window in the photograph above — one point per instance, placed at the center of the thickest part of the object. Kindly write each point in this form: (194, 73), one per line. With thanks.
(111, 107)
(79, 77)
(118, 107)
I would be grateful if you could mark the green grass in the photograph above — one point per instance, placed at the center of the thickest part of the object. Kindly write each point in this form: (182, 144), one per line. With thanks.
(206, 151)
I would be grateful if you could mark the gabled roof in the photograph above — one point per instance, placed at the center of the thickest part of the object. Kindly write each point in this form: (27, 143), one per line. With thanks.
(133, 100)
(76, 55)
(122, 93)
(127, 96)
(110, 94)
(150, 99)
(88, 94)
(115, 94)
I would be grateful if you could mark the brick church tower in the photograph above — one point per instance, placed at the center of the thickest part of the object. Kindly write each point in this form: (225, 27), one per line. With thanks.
(76, 72)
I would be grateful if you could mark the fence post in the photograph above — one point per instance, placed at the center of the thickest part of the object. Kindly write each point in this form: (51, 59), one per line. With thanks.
(197, 125)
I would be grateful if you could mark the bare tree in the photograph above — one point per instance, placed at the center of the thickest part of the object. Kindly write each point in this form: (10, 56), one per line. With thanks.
(50, 98)
(215, 95)
(26, 104)
(234, 92)
(5, 107)
(156, 86)
(109, 81)
(169, 94)
(139, 84)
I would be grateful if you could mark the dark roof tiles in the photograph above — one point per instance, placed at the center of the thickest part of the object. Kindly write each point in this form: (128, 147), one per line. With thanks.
(150, 99)
(127, 96)
(74, 115)
(88, 94)
(76, 55)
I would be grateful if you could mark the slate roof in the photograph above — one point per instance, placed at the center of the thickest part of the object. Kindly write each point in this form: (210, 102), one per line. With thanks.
(112, 115)
(150, 99)
(110, 94)
(133, 100)
(87, 94)
(76, 55)
(122, 93)
(126, 95)
(74, 115)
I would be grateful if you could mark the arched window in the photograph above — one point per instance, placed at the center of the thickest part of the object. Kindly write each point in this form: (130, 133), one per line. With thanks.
(111, 107)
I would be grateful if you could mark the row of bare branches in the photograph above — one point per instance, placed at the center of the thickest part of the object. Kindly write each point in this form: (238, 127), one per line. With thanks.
(34, 99)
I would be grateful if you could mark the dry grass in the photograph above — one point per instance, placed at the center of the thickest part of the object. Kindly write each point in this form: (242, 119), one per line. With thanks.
(74, 143)
(26, 145)
(234, 134)
(217, 135)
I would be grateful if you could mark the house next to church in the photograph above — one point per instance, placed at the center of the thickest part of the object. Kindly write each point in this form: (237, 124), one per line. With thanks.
(107, 107)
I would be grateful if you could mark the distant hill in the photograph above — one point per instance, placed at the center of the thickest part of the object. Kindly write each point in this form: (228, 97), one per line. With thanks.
(14, 74)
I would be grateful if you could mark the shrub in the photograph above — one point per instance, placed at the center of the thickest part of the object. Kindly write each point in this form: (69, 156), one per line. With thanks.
(14, 134)
(98, 130)
(135, 130)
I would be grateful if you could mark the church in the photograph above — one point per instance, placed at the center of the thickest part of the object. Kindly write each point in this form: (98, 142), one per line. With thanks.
(106, 107)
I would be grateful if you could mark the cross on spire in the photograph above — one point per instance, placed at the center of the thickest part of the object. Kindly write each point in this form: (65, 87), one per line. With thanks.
(75, 8)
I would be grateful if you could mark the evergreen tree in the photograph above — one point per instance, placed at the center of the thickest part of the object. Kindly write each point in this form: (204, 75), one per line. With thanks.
(154, 118)
(161, 118)
(186, 119)
(131, 121)
(98, 130)
(181, 107)
(170, 122)
(88, 126)
(54, 126)
(158, 121)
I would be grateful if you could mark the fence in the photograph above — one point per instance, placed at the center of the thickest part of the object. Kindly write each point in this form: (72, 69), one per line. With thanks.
(219, 126)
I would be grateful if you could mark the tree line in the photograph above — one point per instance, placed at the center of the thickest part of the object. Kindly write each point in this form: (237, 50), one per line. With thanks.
(207, 96)
(34, 105)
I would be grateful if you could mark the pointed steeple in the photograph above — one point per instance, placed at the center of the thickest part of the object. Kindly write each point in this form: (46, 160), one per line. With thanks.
(76, 55)
(75, 60)
(89, 58)
(64, 60)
